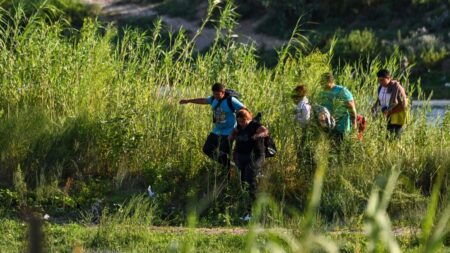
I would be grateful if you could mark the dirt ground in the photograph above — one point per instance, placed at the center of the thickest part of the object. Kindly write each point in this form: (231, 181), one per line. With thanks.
(112, 10)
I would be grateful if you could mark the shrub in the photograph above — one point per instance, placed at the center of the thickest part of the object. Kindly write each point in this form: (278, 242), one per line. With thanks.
(433, 57)
(356, 44)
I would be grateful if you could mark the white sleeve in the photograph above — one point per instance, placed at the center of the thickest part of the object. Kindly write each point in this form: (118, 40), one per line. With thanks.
(298, 112)
(303, 113)
(306, 114)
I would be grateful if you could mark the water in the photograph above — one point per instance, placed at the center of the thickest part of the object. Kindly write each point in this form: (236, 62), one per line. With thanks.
(438, 109)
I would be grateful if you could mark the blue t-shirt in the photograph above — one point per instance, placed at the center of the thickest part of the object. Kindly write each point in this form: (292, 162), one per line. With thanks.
(225, 120)
(336, 101)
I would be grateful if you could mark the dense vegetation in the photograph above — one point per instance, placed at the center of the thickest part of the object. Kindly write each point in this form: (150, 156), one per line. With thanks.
(72, 11)
(359, 28)
(91, 115)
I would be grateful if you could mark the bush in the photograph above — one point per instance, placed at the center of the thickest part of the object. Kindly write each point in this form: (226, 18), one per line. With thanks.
(433, 57)
(356, 44)
(71, 10)
(422, 47)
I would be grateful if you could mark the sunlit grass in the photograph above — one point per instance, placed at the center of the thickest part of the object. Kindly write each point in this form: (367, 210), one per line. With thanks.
(95, 106)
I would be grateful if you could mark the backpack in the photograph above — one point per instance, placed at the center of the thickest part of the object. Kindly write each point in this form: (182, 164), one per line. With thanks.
(229, 94)
(270, 150)
(324, 117)
(361, 123)
(328, 122)
(402, 117)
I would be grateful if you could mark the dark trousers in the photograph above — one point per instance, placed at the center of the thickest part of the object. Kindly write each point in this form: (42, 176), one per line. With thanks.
(395, 131)
(336, 140)
(337, 137)
(218, 148)
(249, 165)
(305, 152)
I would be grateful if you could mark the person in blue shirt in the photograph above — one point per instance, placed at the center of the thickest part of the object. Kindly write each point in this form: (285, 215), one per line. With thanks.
(341, 105)
(217, 145)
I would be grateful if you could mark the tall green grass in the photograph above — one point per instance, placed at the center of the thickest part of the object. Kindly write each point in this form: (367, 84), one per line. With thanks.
(70, 11)
(92, 106)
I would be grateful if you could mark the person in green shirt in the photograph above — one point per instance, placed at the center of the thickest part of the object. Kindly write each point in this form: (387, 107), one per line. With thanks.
(341, 105)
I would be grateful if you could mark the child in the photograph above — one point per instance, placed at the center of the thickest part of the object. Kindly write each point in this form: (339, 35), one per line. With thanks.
(305, 156)
(303, 109)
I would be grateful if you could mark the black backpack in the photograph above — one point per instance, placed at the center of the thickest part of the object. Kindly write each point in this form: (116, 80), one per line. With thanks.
(229, 94)
(270, 149)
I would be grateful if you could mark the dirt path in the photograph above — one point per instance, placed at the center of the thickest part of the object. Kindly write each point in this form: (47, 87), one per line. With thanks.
(207, 231)
(397, 232)
(112, 10)
(242, 231)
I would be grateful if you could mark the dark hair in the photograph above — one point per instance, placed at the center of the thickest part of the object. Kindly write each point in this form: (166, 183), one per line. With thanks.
(300, 89)
(383, 73)
(327, 76)
(218, 87)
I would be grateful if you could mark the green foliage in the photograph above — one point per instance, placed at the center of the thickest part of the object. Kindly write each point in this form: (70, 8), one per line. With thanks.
(9, 198)
(72, 11)
(178, 8)
(98, 107)
(20, 186)
(360, 42)
(73, 237)
(379, 225)
(433, 56)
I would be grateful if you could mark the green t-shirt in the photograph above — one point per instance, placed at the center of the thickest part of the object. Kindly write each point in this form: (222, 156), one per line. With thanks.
(336, 101)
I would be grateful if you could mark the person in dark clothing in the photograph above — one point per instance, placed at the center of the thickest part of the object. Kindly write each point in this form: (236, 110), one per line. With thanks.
(217, 145)
(249, 151)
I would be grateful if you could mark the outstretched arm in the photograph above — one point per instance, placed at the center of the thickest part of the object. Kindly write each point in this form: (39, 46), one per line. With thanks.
(199, 101)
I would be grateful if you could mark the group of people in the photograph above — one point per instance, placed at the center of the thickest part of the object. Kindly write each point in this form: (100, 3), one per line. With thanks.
(336, 110)
(233, 122)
